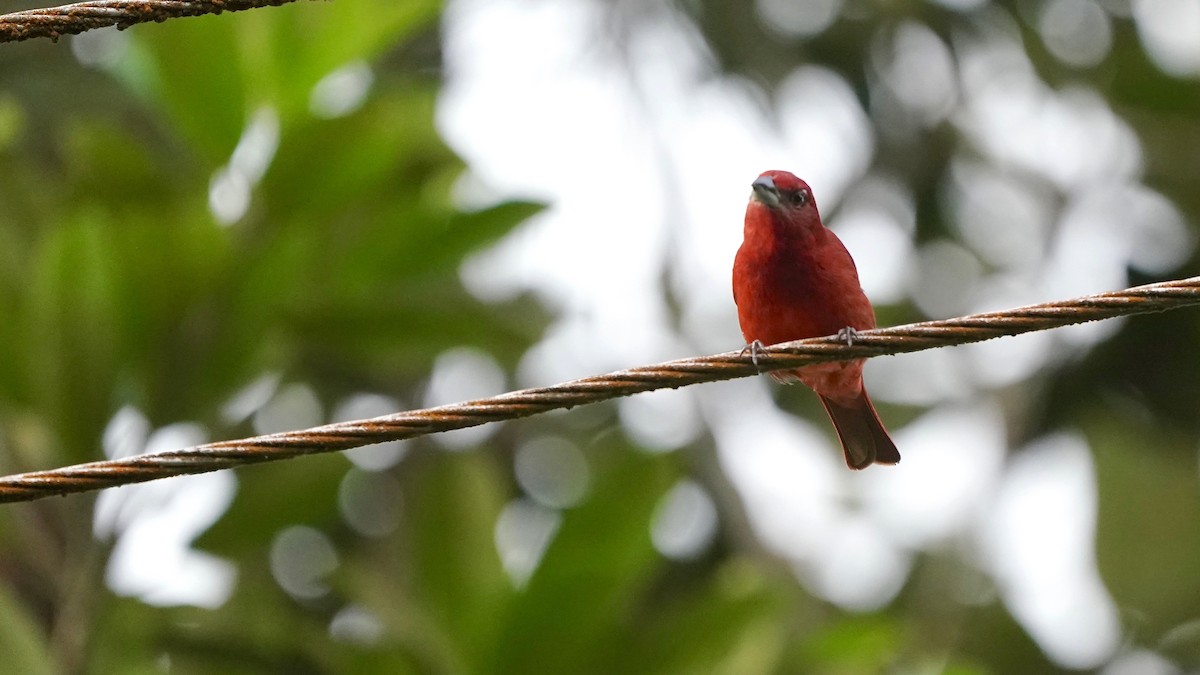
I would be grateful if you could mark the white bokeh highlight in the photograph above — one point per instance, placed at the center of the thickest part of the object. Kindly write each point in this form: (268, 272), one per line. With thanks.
(1038, 544)
(685, 522)
(464, 374)
(301, 559)
(231, 187)
(523, 531)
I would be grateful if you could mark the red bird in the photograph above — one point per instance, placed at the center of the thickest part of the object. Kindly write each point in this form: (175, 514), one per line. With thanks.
(793, 279)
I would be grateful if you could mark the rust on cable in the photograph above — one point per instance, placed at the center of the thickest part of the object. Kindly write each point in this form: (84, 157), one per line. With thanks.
(672, 374)
(52, 22)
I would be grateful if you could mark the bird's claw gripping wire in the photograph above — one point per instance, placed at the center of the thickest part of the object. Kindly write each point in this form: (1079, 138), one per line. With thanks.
(755, 348)
(847, 335)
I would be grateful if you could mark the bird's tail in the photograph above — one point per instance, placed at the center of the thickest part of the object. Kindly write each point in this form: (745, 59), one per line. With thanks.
(864, 440)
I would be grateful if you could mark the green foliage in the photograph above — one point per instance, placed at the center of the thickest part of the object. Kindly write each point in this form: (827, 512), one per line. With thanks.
(120, 288)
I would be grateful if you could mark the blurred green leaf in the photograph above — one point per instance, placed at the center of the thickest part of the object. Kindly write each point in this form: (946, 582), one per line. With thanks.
(1148, 529)
(303, 491)
(191, 78)
(21, 640)
(449, 591)
(734, 620)
(71, 342)
(210, 73)
(574, 614)
(344, 171)
(854, 645)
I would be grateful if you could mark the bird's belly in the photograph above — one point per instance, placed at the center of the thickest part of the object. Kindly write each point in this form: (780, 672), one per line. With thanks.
(840, 381)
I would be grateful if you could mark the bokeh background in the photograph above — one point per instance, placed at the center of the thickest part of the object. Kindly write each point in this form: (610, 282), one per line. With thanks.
(268, 220)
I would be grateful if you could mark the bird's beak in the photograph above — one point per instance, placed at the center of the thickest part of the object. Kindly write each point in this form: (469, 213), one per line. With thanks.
(765, 191)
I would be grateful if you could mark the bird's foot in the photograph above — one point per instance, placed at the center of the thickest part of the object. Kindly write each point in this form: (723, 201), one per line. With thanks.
(755, 348)
(847, 335)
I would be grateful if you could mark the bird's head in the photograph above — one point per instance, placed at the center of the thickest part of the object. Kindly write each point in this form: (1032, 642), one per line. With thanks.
(782, 204)
(783, 192)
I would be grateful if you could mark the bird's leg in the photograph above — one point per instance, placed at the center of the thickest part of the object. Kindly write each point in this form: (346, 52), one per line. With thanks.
(847, 335)
(755, 348)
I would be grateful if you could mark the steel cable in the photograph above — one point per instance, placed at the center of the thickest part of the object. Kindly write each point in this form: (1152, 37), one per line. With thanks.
(672, 374)
(53, 22)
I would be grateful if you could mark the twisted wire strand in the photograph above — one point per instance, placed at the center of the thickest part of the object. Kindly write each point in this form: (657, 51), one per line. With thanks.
(670, 375)
(80, 17)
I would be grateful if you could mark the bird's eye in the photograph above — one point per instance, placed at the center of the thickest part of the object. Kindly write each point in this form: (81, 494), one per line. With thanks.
(799, 197)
